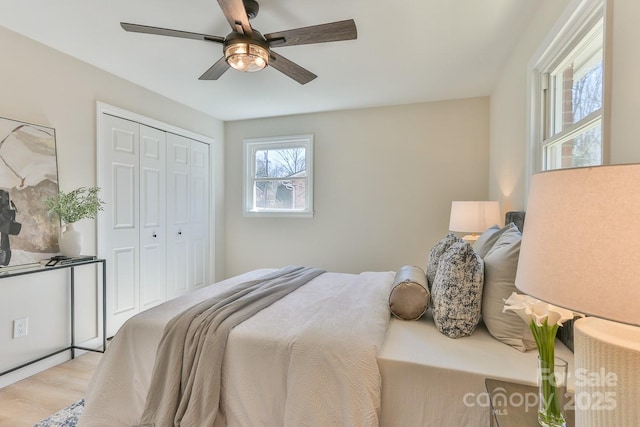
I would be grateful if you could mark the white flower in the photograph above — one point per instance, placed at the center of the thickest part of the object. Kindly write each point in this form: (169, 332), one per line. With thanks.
(531, 309)
(543, 320)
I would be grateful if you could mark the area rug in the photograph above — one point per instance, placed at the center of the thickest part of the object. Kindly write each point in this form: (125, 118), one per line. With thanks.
(67, 417)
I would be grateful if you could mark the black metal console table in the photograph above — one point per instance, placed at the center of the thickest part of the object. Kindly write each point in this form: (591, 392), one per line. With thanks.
(70, 264)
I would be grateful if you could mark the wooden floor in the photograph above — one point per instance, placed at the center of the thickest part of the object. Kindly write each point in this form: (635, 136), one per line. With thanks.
(28, 401)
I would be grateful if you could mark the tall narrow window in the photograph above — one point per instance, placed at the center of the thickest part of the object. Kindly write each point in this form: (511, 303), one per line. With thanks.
(570, 96)
(279, 176)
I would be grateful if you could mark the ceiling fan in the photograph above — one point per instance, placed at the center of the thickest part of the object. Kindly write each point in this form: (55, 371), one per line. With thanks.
(245, 49)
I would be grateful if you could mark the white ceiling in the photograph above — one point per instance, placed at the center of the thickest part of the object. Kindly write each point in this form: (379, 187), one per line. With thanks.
(407, 51)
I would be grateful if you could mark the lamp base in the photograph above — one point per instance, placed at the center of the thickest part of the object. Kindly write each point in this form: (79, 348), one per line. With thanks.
(607, 376)
(471, 238)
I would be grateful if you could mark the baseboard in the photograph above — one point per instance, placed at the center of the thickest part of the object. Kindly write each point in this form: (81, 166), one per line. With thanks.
(34, 368)
(49, 362)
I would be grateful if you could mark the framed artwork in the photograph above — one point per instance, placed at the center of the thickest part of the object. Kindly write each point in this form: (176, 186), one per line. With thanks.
(28, 175)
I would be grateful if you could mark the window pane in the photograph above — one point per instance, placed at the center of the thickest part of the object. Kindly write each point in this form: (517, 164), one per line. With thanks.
(583, 149)
(577, 83)
(280, 194)
(587, 93)
(281, 163)
(278, 179)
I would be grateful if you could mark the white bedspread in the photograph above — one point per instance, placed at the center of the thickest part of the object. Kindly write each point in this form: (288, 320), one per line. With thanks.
(307, 360)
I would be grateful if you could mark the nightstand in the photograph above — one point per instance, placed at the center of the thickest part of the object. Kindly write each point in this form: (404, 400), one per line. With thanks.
(516, 405)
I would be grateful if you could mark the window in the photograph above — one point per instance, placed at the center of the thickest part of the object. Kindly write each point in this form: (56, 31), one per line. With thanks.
(567, 130)
(279, 176)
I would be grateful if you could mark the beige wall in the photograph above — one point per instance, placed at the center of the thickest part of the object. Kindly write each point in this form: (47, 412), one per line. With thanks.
(42, 86)
(508, 153)
(384, 182)
(508, 161)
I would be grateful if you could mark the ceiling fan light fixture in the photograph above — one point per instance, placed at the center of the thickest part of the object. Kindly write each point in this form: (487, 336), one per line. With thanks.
(246, 55)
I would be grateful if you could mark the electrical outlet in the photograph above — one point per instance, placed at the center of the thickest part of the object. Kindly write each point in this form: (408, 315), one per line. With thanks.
(20, 327)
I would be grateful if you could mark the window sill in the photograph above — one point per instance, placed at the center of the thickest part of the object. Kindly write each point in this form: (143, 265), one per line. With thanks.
(277, 214)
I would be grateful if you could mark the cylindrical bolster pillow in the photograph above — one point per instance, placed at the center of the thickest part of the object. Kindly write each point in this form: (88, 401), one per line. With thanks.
(409, 298)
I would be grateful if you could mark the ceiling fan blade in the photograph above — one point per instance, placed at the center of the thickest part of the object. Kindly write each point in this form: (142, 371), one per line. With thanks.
(291, 69)
(216, 70)
(331, 32)
(236, 14)
(136, 28)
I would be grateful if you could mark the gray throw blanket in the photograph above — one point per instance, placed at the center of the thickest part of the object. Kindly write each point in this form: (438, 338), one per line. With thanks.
(186, 378)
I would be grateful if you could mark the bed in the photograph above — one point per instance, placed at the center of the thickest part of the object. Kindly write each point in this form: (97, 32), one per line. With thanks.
(271, 368)
(401, 374)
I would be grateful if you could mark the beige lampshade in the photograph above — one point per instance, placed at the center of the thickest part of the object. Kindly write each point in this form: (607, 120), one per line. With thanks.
(581, 245)
(473, 217)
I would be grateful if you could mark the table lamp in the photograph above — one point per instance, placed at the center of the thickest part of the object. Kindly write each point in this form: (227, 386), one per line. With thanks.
(581, 251)
(473, 217)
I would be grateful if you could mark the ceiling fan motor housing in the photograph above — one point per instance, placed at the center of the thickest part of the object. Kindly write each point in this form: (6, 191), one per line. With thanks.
(251, 7)
(246, 53)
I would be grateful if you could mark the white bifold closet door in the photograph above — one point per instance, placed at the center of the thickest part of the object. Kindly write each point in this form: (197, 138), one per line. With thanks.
(199, 214)
(187, 214)
(153, 217)
(178, 164)
(121, 192)
(154, 230)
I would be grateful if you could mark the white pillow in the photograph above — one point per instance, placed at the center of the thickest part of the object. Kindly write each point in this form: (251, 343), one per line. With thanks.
(487, 239)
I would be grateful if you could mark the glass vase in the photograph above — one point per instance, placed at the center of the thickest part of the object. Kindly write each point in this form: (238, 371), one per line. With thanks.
(552, 387)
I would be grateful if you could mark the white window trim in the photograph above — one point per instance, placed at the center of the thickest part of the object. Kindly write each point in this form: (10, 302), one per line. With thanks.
(574, 24)
(250, 146)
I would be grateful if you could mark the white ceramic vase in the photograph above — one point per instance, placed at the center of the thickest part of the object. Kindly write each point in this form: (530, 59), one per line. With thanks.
(70, 241)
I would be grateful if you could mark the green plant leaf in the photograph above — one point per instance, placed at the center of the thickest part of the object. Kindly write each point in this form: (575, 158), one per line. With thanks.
(78, 204)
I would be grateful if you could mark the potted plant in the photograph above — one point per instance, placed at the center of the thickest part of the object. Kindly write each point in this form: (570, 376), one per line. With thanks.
(71, 207)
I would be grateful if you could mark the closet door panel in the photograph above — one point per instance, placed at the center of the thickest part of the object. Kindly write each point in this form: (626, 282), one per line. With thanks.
(124, 272)
(124, 184)
(199, 214)
(180, 208)
(153, 205)
(178, 231)
(120, 238)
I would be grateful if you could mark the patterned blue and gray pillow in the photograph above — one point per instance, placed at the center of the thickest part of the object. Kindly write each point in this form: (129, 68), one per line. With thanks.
(436, 252)
(456, 294)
